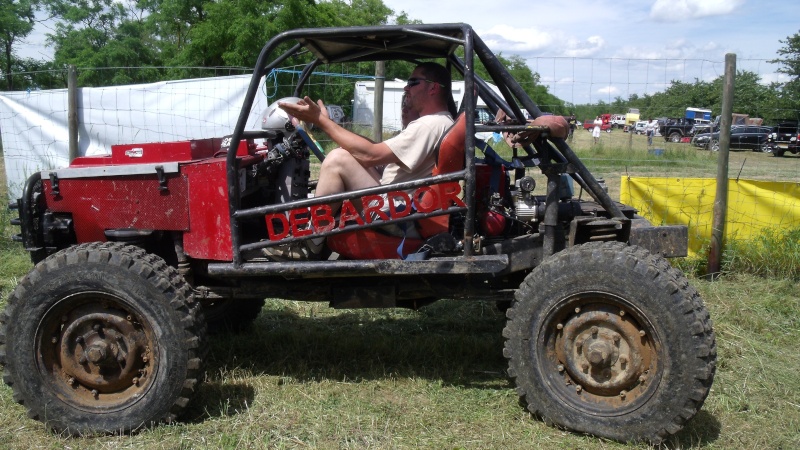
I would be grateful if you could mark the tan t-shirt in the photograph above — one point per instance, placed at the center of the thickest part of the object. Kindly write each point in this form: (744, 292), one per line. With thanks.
(414, 147)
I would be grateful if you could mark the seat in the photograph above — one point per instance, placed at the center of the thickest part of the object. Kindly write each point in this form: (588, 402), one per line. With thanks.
(375, 244)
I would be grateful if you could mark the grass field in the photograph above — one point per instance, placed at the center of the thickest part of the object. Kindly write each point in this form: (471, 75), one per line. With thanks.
(306, 376)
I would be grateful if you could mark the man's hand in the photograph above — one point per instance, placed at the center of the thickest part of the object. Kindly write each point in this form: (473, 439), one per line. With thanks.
(306, 110)
(557, 125)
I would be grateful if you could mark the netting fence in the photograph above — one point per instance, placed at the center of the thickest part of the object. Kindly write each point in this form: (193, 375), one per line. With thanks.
(119, 115)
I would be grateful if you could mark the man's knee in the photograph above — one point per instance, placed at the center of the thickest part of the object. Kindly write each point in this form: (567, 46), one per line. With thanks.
(338, 158)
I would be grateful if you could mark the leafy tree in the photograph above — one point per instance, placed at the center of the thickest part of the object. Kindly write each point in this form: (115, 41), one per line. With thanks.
(16, 22)
(789, 92)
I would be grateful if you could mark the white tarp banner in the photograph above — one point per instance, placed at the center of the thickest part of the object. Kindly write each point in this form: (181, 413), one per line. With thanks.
(33, 125)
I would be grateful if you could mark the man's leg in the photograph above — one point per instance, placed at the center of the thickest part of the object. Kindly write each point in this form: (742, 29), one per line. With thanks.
(341, 172)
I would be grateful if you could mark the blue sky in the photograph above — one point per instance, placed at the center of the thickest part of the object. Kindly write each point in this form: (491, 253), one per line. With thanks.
(596, 50)
(587, 51)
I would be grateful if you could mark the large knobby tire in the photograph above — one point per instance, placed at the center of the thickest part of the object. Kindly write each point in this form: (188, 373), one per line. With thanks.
(675, 137)
(608, 339)
(102, 338)
(230, 315)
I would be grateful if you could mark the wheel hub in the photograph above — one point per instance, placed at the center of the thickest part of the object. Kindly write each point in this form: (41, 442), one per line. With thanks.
(103, 352)
(603, 352)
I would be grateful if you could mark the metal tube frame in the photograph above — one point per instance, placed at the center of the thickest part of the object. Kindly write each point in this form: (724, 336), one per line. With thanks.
(512, 96)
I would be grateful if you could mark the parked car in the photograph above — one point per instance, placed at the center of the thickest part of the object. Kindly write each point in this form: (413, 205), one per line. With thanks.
(639, 127)
(783, 138)
(742, 138)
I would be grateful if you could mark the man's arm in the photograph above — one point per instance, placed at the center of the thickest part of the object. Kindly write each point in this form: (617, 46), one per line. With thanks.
(365, 151)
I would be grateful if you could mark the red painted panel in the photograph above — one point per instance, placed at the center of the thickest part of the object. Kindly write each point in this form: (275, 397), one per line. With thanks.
(99, 204)
(209, 236)
(156, 152)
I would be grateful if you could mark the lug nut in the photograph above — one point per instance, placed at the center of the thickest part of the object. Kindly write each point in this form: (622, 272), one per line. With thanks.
(135, 381)
(560, 367)
(95, 394)
(642, 379)
(560, 326)
(578, 389)
(621, 313)
(622, 394)
(577, 310)
(642, 333)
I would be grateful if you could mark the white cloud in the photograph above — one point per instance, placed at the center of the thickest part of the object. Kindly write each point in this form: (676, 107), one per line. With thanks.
(683, 10)
(767, 78)
(516, 40)
(612, 90)
(583, 49)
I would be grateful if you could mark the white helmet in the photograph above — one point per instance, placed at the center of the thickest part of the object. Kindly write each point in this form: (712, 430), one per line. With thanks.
(275, 119)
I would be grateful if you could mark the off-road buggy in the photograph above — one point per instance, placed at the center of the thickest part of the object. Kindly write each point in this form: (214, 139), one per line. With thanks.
(139, 253)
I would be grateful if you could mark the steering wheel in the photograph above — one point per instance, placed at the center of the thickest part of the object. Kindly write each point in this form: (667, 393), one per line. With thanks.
(310, 141)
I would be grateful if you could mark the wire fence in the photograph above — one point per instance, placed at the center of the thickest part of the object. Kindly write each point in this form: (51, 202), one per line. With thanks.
(613, 84)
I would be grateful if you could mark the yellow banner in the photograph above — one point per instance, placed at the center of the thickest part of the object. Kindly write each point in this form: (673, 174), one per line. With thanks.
(752, 205)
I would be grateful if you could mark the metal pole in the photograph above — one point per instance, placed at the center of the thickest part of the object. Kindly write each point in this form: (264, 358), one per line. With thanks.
(72, 111)
(721, 199)
(377, 124)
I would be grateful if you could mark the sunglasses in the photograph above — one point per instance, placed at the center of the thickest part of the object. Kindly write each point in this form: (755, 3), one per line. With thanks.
(415, 81)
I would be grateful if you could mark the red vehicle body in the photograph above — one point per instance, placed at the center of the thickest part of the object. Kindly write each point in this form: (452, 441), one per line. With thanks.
(588, 124)
(139, 254)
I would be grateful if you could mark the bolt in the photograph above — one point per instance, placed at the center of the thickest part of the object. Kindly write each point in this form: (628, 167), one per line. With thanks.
(54, 340)
(560, 367)
(621, 313)
(560, 326)
(129, 318)
(135, 381)
(642, 379)
(578, 388)
(95, 394)
(145, 358)
(623, 359)
(71, 381)
(622, 394)
(642, 333)
(577, 310)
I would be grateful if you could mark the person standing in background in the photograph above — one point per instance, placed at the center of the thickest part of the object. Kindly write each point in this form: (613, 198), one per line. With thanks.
(598, 124)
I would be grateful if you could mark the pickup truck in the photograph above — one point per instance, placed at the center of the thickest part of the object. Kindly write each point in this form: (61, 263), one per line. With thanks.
(588, 125)
(674, 130)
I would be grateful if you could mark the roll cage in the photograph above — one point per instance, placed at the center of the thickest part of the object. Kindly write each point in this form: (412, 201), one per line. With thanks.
(408, 43)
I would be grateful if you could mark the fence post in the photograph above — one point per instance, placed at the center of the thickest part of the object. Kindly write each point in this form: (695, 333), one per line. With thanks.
(72, 111)
(377, 123)
(721, 199)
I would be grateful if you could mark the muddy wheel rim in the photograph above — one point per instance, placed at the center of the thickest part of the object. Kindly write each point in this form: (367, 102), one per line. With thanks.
(599, 354)
(95, 352)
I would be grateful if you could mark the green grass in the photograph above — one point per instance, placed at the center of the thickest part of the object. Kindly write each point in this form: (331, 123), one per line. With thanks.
(306, 376)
